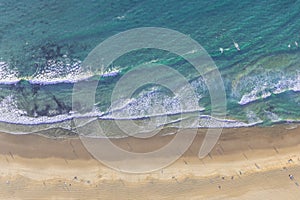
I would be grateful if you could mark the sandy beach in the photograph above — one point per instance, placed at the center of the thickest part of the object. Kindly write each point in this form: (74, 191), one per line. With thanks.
(246, 163)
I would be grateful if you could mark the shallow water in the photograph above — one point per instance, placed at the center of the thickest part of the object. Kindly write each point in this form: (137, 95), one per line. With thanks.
(44, 43)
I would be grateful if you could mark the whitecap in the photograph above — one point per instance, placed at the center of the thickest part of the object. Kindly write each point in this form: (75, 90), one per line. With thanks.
(264, 85)
(8, 75)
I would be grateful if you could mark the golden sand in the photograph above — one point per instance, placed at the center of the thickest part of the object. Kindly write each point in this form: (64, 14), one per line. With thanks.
(247, 163)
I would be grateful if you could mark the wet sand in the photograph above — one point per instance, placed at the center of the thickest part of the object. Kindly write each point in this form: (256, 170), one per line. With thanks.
(246, 163)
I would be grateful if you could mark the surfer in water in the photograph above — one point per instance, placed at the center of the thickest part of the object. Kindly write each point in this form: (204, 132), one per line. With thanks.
(236, 45)
(221, 50)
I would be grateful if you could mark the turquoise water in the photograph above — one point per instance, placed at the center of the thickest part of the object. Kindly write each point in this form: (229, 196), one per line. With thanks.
(42, 45)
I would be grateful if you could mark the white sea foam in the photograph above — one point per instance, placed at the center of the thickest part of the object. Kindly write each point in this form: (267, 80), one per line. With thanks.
(272, 116)
(64, 70)
(60, 71)
(11, 114)
(292, 84)
(7, 75)
(151, 103)
(264, 85)
(211, 122)
(253, 119)
(254, 95)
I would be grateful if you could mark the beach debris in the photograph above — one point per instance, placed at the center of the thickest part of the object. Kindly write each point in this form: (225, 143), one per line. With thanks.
(257, 166)
(129, 146)
(222, 149)
(7, 182)
(289, 46)
(219, 151)
(245, 156)
(219, 186)
(122, 182)
(6, 159)
(232, 177)
(236, 45)
(75, 177)
(11, 155)
(275, 149)
(173, 177)
(223, 178)
(290, 160)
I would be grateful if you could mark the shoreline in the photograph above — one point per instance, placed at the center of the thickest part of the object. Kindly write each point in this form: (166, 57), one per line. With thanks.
(245, 162)
(164, 136)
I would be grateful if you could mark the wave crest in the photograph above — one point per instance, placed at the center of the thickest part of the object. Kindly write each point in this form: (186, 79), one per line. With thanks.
(266, 85)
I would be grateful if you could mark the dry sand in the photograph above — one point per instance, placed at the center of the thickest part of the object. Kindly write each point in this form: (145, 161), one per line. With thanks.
(247, 163)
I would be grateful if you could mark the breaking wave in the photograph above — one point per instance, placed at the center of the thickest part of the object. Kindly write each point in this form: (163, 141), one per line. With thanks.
(64, 70)
(265, 86)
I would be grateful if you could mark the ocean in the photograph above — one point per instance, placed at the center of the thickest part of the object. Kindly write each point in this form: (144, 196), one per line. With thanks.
(254, 45)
